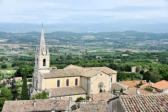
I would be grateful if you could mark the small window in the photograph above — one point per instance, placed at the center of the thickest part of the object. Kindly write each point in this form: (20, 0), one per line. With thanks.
(37, 61)
(58, 83)
(44, 62)
(76, 82)
(67, 82)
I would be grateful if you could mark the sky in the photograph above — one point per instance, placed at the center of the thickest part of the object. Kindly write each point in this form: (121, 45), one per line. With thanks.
(83, 11)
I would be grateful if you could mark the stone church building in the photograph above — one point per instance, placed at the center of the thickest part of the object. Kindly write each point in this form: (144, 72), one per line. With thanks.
(70, 82)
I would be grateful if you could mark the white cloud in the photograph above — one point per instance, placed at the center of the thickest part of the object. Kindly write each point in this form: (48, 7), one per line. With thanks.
(60, 11)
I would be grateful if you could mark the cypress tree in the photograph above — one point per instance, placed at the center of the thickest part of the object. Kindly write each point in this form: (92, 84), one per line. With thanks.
(24, 95)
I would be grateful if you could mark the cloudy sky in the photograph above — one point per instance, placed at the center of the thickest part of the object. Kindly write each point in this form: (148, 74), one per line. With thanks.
(83, 11)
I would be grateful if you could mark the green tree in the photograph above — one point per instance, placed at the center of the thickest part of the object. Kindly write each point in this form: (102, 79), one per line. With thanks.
(3, 66)
(3, 58)
(24, 94)
(2, 100)
(6, 93)
(43, 95)
(14, 89)
(25, 70)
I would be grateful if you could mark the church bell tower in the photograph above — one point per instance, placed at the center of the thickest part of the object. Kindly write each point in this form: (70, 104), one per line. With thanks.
(42, 63)
(42, 57)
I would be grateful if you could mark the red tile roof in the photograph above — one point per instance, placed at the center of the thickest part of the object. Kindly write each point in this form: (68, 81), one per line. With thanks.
(161, 85)
(133, 83)
(145, 103)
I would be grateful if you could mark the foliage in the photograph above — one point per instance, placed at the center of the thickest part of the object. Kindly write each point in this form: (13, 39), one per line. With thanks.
(114, 91)
(153, 76)
(4, 66)
(2, 101)
(42, 95)
(14, 89)
(140, 84)
(24, 94)
(79, 99)
(121, 90)
(3, 58)
(149, 89)
(6, 93)
(128, 76)
(24, 70)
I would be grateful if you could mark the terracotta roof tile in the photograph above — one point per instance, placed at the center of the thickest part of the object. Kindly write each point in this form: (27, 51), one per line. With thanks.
(145, 103)
(101, 96)
(133, 91)
(133, 83)
(161, 85)
(35, 105)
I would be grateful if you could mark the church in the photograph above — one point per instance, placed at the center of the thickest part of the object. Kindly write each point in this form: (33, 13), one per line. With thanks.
(70, 82)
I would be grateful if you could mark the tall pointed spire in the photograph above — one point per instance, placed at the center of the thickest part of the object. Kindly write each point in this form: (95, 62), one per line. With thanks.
(42, 48)
(42, 40)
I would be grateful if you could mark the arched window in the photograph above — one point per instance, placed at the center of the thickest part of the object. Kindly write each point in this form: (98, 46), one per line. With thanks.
(67, 82)
(76, 82)
(44, 62)
(58, 83)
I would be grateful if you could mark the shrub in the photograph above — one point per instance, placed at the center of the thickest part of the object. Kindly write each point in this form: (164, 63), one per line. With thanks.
(6, 93)
(79, 99)
(2, 100)
(121, 90)
(3, 66)
(43, 95)
(149, 89)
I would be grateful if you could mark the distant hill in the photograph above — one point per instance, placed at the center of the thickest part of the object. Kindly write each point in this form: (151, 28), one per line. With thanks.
(115, 40)
(101, 27)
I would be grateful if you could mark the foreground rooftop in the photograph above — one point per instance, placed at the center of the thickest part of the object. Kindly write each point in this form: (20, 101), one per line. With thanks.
(46, 105)
(145, 103)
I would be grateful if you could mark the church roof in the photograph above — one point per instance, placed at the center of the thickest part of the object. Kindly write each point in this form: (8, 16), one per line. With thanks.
(103, 69)
(74, 71)
(66, 91)
(56, 73)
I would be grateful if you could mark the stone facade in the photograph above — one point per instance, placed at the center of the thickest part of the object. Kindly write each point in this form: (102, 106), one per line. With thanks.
(76, 81)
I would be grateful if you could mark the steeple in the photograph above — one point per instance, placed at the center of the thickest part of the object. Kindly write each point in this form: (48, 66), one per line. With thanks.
(42, 48)
(42, 62)
(42, 57)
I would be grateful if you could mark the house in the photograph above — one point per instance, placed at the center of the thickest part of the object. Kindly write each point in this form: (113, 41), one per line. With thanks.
(161, 86)
(139, 103)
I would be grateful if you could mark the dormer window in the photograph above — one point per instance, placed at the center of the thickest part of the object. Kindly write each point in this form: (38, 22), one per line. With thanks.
(44, 62)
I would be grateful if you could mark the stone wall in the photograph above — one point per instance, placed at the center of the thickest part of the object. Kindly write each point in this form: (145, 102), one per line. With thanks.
(99, 79)
(52, 83)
